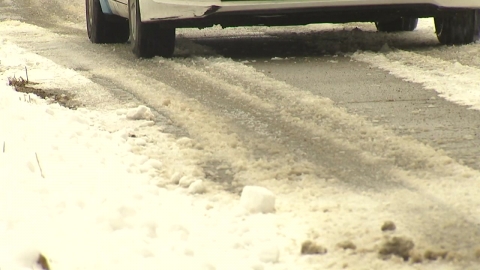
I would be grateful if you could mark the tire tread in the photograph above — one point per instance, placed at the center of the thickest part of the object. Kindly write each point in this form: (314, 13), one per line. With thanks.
(151, 40)
(401, 24)
(103, 28)
(458, 28)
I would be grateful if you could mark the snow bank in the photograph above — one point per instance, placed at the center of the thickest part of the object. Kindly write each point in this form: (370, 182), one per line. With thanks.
(73, 190)
(69, 190)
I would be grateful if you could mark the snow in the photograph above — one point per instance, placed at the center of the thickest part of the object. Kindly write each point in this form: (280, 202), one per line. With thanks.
(197, 187)
(257, 199)
(73, 190)
(186, 181)
(141, 112)
(269, 254)
(78, 194)
(40, 70)
(90, 208)
(79, 188)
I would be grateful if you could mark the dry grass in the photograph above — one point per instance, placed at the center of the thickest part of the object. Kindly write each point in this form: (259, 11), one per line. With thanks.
(43, 262)
(20, 82)
(22, 85)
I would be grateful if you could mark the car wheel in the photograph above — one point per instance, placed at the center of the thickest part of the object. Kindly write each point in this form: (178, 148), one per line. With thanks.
(149, 39)
(104, 29)
(397, 25)
(459, 27)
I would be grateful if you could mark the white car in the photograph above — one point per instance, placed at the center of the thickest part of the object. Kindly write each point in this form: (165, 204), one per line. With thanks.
(150, 24)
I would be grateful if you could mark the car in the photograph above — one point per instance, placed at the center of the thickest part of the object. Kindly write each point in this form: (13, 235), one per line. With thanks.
(150, 24)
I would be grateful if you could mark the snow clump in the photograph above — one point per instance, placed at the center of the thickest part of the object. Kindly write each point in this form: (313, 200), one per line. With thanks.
(257, 199)
(142, 112)
(197, 187)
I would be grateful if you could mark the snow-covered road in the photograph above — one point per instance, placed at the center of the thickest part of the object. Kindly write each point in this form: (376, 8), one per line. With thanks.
(148, 172)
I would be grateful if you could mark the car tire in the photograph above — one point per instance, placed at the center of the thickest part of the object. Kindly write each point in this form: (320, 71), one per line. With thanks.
(458, 27)
(149, 39)
(398, 25)
(103, 28)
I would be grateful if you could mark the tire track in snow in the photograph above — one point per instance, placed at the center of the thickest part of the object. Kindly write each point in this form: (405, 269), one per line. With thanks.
(462, 235)
(455, 82)
(318, 115)
(201, 107)
(285, 118)
(304, 109)
(450, 74)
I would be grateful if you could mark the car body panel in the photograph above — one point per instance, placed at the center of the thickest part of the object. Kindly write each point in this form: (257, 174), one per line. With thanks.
(161, 10)
(122, 8)
(105, 5)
